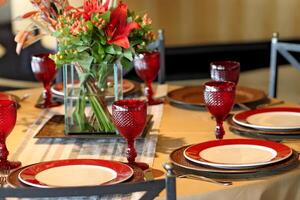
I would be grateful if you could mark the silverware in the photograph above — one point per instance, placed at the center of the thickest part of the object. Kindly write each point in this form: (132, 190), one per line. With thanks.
(148, 175)
(3, 176)
(243, 106)
(24, 97)
(203, 178)
(274, 103)
(270, 104)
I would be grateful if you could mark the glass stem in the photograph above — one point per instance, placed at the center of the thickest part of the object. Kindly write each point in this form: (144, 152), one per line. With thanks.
(219, 130)
(149, 91)
(131, 153)
(3, 151)
(48, 94)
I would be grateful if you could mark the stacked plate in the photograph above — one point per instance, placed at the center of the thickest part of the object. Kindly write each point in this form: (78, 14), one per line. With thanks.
(72, 172)
(234, 158)
(271, 123)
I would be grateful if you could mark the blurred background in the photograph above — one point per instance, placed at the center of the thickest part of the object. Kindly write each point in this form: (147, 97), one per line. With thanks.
(196, 33)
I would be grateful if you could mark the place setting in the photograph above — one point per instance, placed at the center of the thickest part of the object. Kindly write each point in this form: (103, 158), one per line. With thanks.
(74, 172)
(191, 97)
(236, 159)
(129, 117)
(274, 123)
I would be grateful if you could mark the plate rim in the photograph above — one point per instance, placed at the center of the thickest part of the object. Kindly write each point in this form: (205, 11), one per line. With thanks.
(241, 118)
(283, 152)
(123, 175)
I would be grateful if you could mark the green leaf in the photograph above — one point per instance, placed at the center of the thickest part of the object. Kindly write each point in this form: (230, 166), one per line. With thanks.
(128, 54)
(101, 50)
(85, 60)
(77, 41)
(110, 49)
(118, 49)
(90, 26)
(83, 77)
(127, 65)
(56, 34)
(106, 16)
(82, 48)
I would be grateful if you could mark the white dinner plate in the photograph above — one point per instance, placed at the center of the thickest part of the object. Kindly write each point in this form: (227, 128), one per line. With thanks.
(237, 153)
(273, 119)
(75, 172)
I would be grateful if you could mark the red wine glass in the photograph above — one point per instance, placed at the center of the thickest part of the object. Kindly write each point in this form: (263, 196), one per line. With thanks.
(225, 71)
(8, 116)
(129, 117)
(147, 66)
(219, 99)
(44, 70)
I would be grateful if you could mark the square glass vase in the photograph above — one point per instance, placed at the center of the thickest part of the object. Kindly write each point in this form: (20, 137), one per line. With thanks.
(88, 94)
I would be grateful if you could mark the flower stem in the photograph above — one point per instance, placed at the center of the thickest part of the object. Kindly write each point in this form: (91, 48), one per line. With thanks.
(97, 102)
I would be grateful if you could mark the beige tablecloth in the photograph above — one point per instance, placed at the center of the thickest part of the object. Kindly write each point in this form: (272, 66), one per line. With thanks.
(180, 127)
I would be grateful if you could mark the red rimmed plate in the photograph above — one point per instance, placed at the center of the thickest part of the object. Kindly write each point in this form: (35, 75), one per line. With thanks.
(57, 88)
(274, 119)
(75, 172)
(237, 153)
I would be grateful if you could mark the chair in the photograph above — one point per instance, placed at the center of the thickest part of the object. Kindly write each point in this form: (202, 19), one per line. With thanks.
(151, 188)
(283, 48)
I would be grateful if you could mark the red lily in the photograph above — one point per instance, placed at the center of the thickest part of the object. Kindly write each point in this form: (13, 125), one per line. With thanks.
(118, 29)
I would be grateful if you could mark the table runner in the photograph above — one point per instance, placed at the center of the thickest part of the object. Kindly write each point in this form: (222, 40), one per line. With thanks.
(33, 150)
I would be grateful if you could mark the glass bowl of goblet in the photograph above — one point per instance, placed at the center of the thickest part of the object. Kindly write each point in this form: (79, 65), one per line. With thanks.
(8, 116)
(219, 99)
(129, 117)
(225, 71)
(147, 66)
(44, 70)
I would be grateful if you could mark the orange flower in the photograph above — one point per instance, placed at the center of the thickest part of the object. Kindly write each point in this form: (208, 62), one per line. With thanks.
(93, 6)
(118, 29)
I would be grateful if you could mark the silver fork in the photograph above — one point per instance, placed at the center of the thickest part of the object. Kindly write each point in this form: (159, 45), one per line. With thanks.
(3, 176)
(203, 178)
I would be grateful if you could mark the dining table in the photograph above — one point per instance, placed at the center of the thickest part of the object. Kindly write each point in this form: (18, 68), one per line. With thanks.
(176, 127)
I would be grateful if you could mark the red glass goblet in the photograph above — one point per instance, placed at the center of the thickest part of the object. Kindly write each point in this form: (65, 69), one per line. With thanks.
(219, 99)
(225, 71)
(8, 115)
(129, 117)
(147, 66)
(44, 70)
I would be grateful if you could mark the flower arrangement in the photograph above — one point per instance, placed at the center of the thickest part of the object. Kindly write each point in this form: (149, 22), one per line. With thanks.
(94, 33)
(98, 32)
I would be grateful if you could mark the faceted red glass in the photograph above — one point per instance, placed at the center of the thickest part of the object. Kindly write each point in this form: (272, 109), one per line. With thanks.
(225, 71)
(44, 70)
(129, 117)
(8, 116)
(147, 66)
(219, 99)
